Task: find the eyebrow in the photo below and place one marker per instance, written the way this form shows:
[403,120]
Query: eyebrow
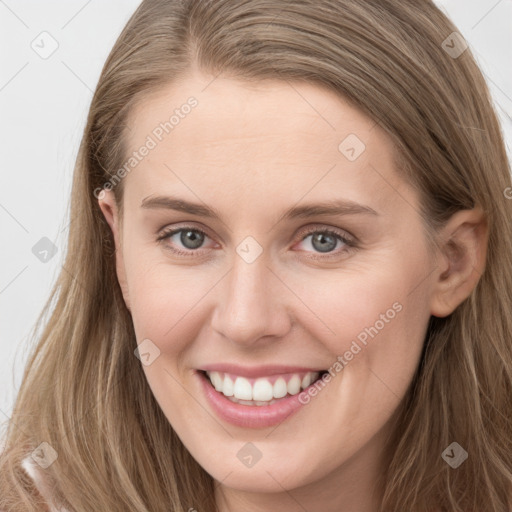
[333,207]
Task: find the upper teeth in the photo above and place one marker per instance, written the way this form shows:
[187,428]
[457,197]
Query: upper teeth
[261,389]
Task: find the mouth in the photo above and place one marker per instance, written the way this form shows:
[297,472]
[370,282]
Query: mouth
[261,391]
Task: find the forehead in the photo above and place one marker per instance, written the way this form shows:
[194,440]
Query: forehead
[252,139]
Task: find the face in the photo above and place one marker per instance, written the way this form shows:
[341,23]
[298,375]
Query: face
[267,237]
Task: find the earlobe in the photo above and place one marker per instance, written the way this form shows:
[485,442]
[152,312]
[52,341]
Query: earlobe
[461,260]
[108,206]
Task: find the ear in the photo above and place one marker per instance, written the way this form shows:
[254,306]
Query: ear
[461,260]
[108,206]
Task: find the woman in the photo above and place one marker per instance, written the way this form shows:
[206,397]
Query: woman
[288,277]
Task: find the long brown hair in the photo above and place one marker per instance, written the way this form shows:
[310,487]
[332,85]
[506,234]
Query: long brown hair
[84,392]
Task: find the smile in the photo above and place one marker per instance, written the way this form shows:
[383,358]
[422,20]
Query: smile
[263,390]
[256,402]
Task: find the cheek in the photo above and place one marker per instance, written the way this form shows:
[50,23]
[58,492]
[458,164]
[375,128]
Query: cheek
[166,300]
[374,318]
[344,305]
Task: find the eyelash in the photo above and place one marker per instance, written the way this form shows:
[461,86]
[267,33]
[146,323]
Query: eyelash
[350,243]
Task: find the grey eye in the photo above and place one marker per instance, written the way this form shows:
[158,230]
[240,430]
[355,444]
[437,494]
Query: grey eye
[324,242]
[191,239]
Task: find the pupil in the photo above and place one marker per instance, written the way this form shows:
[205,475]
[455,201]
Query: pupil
[195,238]
[320,238]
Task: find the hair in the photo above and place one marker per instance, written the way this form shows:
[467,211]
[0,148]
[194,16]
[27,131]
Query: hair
[83,390]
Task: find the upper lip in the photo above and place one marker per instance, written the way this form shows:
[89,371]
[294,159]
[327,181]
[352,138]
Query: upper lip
[257,371]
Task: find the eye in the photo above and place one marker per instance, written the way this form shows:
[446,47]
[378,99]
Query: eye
[191,238]
[325,241]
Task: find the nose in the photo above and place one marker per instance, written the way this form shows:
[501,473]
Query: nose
[252,304]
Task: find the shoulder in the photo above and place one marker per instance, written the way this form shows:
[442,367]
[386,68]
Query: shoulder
[36,473]
[41,482]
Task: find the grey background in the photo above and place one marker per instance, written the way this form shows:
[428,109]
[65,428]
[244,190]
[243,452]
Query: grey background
[43,106]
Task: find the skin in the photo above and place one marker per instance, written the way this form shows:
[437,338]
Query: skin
[252,151]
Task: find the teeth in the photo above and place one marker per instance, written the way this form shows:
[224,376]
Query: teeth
[242,389]
[280,388]
[227,386]
[216,381]
[306,381]
[249,402]
[261,392]
[294,385]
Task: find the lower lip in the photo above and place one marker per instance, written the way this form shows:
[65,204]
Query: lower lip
[249,416]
